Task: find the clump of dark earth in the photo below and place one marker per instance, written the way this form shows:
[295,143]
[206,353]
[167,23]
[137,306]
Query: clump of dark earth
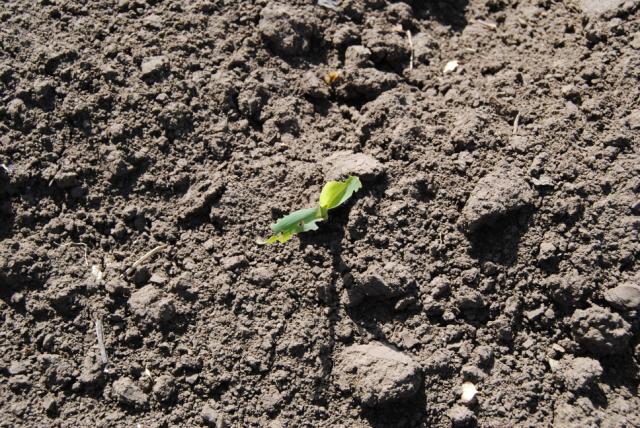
[146,145]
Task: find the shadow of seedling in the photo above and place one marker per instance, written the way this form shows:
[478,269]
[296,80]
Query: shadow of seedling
[331,235]
[332,232]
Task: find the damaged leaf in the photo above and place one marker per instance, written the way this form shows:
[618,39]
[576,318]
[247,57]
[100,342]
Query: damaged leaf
[333,194]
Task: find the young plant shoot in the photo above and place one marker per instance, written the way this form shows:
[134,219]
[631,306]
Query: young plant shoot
[333,194]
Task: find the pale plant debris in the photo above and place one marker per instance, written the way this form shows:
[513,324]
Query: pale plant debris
[516,123]
[331,77]
[450,66]
[411,49]
[97,274]
[146,256]
[100,337]
[490,25]
[329,4]
[469,392]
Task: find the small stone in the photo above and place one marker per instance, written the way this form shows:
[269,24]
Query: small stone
[469,300]
[600,331]
[501,192]
[287,30]
[342,164]
[379,282]
[50,404]
[18,367]
[212,418]
[152,305]
[154,67]
[15,108]
[546,252]
[625,297]
[233,263]
[128,393]
[164,388]
[66,179]
[483,354]
[600,7]
[570,92]
[580,373]
[450,66]
[461,417]
[376,374]
[357,56]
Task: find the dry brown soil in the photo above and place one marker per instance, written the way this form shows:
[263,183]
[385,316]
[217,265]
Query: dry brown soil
[495,240]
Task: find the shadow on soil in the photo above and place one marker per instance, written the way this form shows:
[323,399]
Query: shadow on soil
[498,242]
[450,13]
[368,318]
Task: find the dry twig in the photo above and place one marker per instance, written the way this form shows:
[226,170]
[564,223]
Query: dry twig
[411,48]
[100,336]
[515,124]
[145,257]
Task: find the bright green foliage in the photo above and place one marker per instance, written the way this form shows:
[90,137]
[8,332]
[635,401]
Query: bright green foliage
[333,194]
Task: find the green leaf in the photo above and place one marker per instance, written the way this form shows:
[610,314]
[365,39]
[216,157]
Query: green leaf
[335,193]
[298,221]
[279,237]
[297,218]
[310,226]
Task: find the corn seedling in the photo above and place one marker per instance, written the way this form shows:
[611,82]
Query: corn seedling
[333,194]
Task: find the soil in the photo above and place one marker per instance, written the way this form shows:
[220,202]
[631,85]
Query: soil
[494,243]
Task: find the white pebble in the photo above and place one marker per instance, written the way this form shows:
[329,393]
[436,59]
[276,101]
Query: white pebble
[450,66]
[469,392]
